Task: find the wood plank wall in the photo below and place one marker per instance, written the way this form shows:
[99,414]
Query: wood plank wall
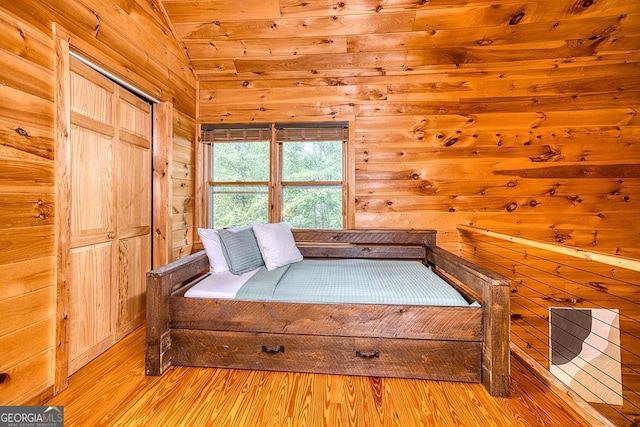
[27,211]
[183,186]
[542,279]
[533,133]
[130,39]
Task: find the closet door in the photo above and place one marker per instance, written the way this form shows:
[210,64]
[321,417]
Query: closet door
[133,184]
[110,201]
[93,222]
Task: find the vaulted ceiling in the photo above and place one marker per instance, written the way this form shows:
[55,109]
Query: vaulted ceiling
[372,37]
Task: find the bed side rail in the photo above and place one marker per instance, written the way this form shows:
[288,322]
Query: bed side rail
[161,283]
[494,291]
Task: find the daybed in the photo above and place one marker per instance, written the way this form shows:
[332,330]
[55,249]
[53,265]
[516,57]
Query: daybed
[469,344]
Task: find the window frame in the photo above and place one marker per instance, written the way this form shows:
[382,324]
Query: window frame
[276,184]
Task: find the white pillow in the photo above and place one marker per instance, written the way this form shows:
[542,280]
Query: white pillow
[212,246]
[277,245]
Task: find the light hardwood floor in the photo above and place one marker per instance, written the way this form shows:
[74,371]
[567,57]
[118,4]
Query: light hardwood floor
[113,390]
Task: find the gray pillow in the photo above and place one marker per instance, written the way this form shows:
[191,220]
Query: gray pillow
[241,250]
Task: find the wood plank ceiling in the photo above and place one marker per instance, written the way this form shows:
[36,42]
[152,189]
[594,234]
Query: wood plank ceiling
[225,38]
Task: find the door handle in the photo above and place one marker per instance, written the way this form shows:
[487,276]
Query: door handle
[367,355]
[273,350]
[112,235]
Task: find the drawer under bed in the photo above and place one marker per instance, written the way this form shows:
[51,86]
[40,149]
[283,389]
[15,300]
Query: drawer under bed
[365,356]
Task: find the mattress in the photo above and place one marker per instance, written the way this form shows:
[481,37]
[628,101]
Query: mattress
[336,281]
[219,285]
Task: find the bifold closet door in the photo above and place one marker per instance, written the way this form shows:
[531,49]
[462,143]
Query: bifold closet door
[133,195]
[110,205]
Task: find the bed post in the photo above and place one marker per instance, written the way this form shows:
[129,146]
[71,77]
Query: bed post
[496,346]
[494,291]
[158,338]
[161,282]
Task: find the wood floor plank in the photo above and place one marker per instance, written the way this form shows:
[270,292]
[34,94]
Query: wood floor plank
[113,391]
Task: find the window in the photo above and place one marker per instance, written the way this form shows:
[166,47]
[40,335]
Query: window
[293,173]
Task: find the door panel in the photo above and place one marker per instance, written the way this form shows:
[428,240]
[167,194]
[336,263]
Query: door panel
[134,188]
[134,116]
[91,94]
[134,261]
[92,196]
[90,303]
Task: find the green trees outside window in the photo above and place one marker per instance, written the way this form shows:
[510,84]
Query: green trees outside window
[296,176]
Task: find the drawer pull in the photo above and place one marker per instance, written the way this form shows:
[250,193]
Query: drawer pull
[366,355]
[274,350]
[4,377]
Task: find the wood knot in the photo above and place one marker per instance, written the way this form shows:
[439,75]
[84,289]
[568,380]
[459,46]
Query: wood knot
[574,199]
[449,142]
[4,377]
[515,19]
[511,206]
[598,286]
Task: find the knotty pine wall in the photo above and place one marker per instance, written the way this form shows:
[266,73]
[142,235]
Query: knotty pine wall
[27,211]
[546,148]
[183,186]
[131,40]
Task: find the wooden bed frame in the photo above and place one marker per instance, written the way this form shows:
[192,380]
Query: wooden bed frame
[469,344]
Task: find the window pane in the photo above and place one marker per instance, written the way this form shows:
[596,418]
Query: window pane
[240,161]
[312,207]
[312,161]
[236,205]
